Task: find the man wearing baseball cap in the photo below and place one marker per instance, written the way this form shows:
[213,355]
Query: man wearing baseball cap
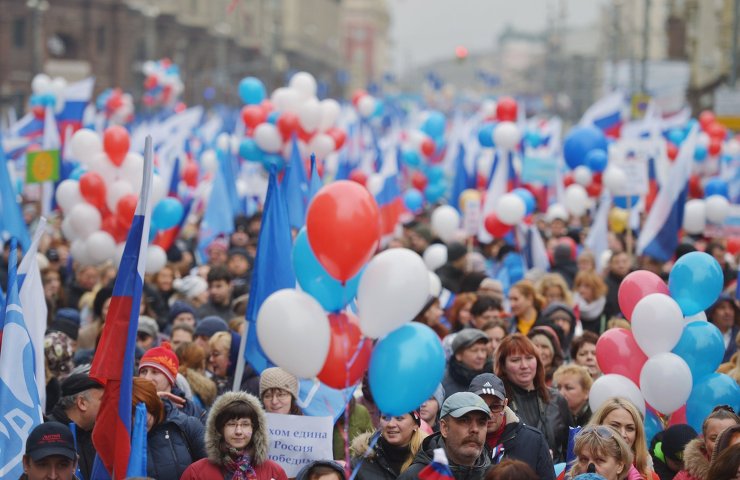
[506,435]
[462,435]
[50,453]
[469,358]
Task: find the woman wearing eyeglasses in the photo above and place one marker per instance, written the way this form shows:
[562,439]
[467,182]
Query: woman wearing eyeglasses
[698,452]
[236,442]
[600,449]
[396,443]
[223,356]
[622,416]
[279,392]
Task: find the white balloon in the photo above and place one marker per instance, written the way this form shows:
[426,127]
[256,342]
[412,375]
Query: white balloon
[291,100]
[68,231]
[657,323]
[366,106]
[159,189]
[288,321]
[717,208]
[445,222]
[68,195]
[41,83]
[732,147]
[510,209]
[79,252]
[614,179]
[304,83]
[118,255]
[699,317]
[100,247]
[665,382]
[84,145]
[278,98]
[435,285]
[330,110]
[268,138]
[115,191]
[309,114]
[392,291]
[132,170]
[435,256]
[375,183]
[576,200]
[84,219]
[556,212]
[703,139]
[695,216]
[223,140]
[287,150]
[506,135]
[582,175]
[322,145]
[612,385]
[156,259]
[209,161]
[101,164]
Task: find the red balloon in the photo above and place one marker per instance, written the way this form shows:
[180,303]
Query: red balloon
[253,115]
[190,174]
[496,227]
[636,286]
[481,182]
[343,227]
[594,190]
[695,188]
[678,417]
[116,143]
[304,135]
[38,112]
[339,136]
[288,124]
[706,118]
[506,110]
[672,151]
[359,93]
[427,147]
[346,340]
[733,245]
[716,130]
[125,209]
[618,352]
[113,226]
[419,180]
[568,180]
[358,176]
[150,82]
[267,106]
[715,146]
[92,188]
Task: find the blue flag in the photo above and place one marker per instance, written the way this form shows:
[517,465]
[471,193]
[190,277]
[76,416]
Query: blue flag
[460,183]
[175,178]
[217,220]
[137,461]
[20,409]
[12,218]
[295,188]
[229,173]
[273,269]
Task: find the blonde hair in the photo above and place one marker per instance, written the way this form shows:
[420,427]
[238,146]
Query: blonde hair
[579,371]
[554,280]
[639,448]
[606,443]
[220,339]
[526,288]
[414,446]
[593,280]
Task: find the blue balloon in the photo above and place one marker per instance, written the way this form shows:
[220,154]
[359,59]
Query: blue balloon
[716,186]
[77,173]
[715,389]
[315,281]
[379,108]
[434,125]
[411,158]
[273,160]
[414,354]
[695,282]
[435,174]
[596,160]
[676,136]
[532,138]
[252,90]
[272,117]
[485,134]
[702,347]
[249,150]
[579,142]
[528,198]
[700,153]
[413,199]
[622,202]
[435,191]
[652,426]
[167,213]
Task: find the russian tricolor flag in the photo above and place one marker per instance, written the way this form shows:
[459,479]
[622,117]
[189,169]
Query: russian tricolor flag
[113,364]
[439,469]
[606,114]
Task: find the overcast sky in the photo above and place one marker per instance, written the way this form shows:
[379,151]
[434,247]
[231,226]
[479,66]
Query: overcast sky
[426,30]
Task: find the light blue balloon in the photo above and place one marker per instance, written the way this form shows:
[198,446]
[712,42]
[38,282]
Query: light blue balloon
[527,198]
[622,202]
[435,174]
[167,213]
[716,186]
[579,142]
[252,90]
[405,368]
[411,158]
[700,153]
[695,282]
[714,389]
[413,199]
[434,125]
[597,160]
[702,347]
[77,173]
[652,426]
[273,160]
[273,117]
[676,136]
[435,191]
[249,150]
[559,468]
[532,138]
[485,134]
[315,281]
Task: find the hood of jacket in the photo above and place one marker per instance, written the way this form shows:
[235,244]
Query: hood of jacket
[434,441]
[201,386]
[360,444]
[259,434]
[695,458]
[463,374]
[303,473]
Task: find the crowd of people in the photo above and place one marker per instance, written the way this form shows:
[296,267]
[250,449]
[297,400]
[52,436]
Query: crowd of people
[521,359]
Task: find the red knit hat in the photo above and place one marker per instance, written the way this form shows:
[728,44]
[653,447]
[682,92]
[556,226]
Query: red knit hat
[163,359]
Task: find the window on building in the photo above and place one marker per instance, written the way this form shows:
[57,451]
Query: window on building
[19,33]
[100,39]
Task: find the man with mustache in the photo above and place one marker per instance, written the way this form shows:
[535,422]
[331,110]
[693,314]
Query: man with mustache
[462,435]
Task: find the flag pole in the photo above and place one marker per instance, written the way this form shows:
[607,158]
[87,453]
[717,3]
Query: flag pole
[239,373]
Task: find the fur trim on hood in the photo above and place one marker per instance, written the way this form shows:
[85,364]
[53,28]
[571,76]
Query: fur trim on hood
[259,435]
[360,444]
[695,459]
[201,386]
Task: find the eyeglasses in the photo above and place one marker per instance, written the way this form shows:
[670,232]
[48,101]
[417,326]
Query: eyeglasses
[247,425]
[723,407]
[600,430]
[277,394]
[215,354]
[496,407]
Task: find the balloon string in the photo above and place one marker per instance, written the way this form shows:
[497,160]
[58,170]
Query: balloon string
[373,440]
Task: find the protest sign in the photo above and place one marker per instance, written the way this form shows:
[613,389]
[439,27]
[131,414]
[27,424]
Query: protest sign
[296,441]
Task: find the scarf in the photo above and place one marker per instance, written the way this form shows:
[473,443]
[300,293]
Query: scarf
[493,438]
[239,464]
[590,311]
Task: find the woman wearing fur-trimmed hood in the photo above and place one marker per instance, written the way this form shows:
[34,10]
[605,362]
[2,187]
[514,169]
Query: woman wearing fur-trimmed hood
[236,442]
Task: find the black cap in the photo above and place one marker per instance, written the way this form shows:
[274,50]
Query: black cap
[78,382]
[467,337]
[488,384]
[63,325]
[455,251]
[51,438]
[675,439]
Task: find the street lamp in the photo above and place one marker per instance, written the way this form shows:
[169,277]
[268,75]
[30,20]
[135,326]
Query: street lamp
[38,7]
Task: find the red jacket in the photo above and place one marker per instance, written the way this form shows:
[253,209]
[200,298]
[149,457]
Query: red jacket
[203,469]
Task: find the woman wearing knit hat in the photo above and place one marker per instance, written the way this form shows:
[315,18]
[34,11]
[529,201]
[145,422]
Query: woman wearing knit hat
[388,452]
[160,365]
[279,392]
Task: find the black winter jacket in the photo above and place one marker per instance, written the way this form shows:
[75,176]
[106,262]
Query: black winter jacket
[426,454]
[457,376]
[174,444]
[527,444]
